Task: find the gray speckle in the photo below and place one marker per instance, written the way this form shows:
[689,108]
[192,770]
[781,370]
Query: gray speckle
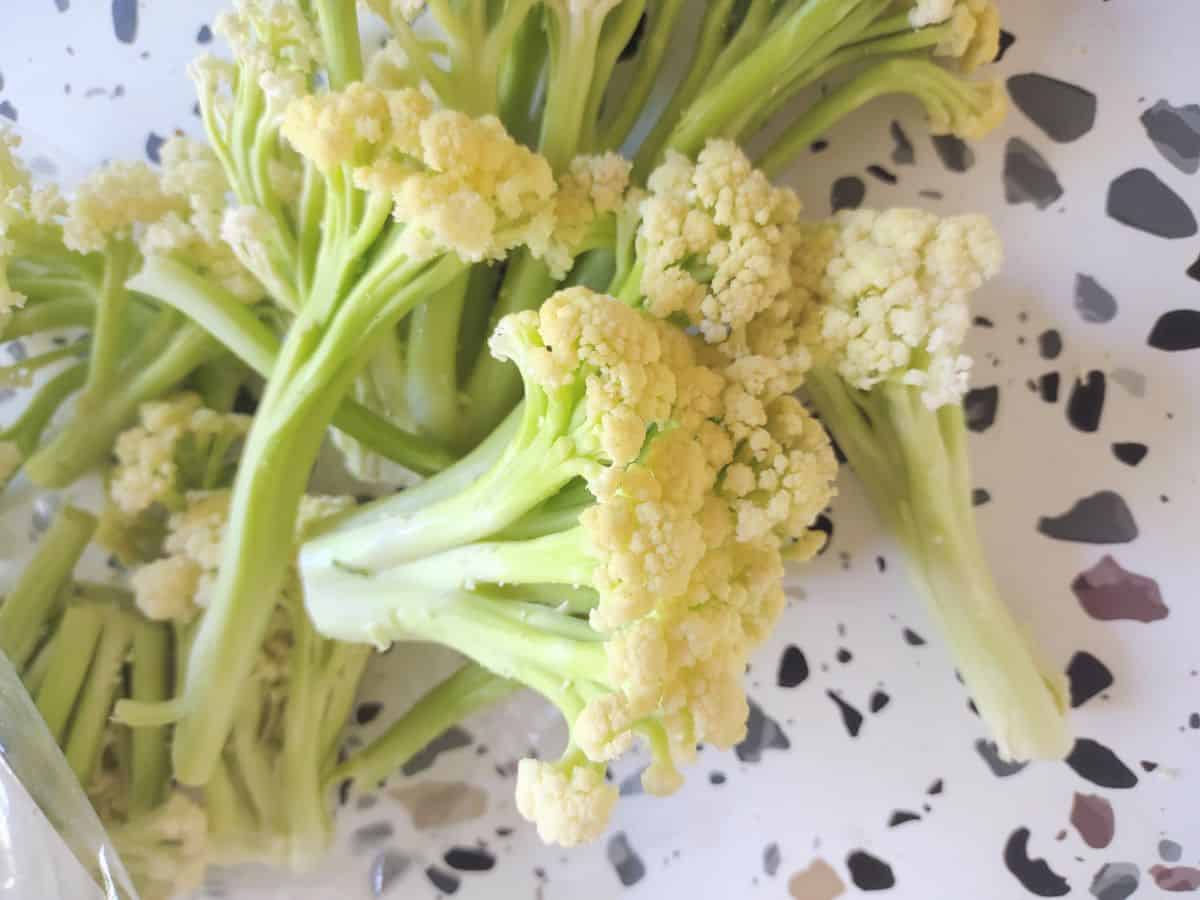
[1092,301]
[43,165]
[154,144]
[629,866]
[1134,382]
[389,867]
[204,35]
[903,153]
[8,110]
[62,5]
[1141,200]
[771,859]
[953,152]
[125,20]
[1065,111]
[1028,178]
[1101,518]
[1169,851]
[1115,881]
[367,836]
[980,406]
[1001,768]
[762,733]
[44,508]
[1175,131]
[847,193]
[631,785]
[17,351]
[450,739]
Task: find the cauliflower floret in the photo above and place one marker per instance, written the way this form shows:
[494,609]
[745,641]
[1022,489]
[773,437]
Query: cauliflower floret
[166,850]
[931,12]
[591,188]
[895,291]
[275,43]
[111,201]
[568,807]
[974,34]
[165,590]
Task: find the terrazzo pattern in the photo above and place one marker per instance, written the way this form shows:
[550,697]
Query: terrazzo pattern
[863,769]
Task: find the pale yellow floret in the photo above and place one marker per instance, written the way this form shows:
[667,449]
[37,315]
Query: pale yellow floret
[165,589]
[896,288]
[275,44]
[974,38]
[591,188]
[111,201]
[568,807]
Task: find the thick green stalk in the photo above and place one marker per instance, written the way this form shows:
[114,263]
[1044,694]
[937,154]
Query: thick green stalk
[432,360]
[315,368]
[86,737]
[520,79]
[476,317]
[494,386]
[47,315]
[468,690]
[74,646]
[247,337]
[36,595]
[615,35]
[722,108]
[90,435]
[338,21]
[912,461]
[150,769]
[109,325]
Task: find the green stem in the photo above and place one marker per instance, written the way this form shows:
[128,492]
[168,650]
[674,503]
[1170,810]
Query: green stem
[520,79]
[338,20]
[36,594]
[74,646]
[47,315]
[90,435]
[109,326]
[432,382]
[150,683]
[494,386]
[86,737]
[759,76]
[26,432]
[477,311]
[660,28]
[468,690]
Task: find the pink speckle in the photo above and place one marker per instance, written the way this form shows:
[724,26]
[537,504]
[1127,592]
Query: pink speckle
[1176,879]
[1107,591]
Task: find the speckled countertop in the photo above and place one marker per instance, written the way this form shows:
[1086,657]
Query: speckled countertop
[864,769]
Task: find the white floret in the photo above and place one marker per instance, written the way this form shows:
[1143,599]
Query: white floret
[569,808]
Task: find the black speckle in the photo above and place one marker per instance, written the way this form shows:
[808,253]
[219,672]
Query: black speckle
[1092,760]
[1007,39]
[983,322]
[1001,767]
[903,153]
[869,873]
[1194,720]
[1101,518]
[443,880]
[8,110]
[1048,386]
[1088,677]
[154,144]
[879,700]
[1176,330]
[936,788]
[980,496]
[1130,452]
[1141,200]
[469,859]
[344,791]
[771,859]
[635,40]
[902,817]
[367,712]
[1175,131]
[1193,271]
[912,638]
[1066,112]
[125,20]
[1086,404]
[843,655]
[953,152]
[1028,178]
[450,739]
[1050,344]
[847,193]
[1148,765]
[625,860]
[762,733]
[717,778]
[793,667]
[819,146]
[1034,874]
[204,35]
[929,194]
[979,406]
[388,868]
[882,174]
[881,564]
[851,717]
[1093,302]
[825,524]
